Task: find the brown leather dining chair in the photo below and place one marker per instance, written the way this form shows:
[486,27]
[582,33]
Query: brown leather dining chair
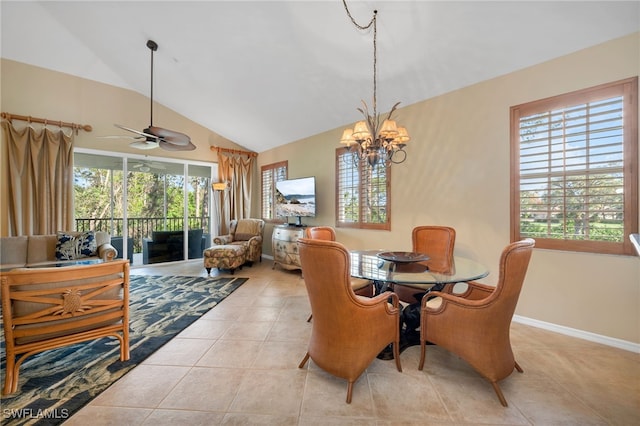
[360,286]
[348,331]
[325,233]
[475,324]
[435,241]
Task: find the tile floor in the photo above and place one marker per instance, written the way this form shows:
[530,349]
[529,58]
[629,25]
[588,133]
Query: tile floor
[237,365]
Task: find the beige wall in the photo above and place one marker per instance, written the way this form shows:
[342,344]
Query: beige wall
[457,174]
[37,92]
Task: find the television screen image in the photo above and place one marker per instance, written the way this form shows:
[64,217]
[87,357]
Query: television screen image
[296,197]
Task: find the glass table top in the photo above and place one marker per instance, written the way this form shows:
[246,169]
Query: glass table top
[366,264]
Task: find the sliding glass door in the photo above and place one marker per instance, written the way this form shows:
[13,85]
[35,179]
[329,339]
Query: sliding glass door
[156,210]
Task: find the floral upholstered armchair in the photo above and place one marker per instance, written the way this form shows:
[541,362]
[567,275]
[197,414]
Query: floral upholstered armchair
[247,232]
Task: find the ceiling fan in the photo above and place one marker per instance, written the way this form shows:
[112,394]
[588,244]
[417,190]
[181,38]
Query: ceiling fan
[146,166]
[153,136]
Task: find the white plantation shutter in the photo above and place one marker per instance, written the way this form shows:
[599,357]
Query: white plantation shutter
[362,193]
[271,173]
[574,169]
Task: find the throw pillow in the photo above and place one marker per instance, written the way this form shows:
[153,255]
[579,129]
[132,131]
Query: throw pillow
[71,247]
[243,237]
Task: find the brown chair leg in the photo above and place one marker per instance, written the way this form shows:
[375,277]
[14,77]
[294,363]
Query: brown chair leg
[15,371]
[124,348]
[8,378]
[396,355]
[499,393]
[423,348]
[520,370]
[304,360]
[349,392]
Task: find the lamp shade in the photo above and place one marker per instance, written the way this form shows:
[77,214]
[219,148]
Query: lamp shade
[219,186]
[402,136]
[347,137]
[389,129]
[361,131]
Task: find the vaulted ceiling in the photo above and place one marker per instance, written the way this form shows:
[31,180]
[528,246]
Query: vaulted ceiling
[266,73]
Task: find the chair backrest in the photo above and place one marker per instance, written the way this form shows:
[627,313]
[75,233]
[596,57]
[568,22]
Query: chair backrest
[514,262]
[438,243]
[325,233]
[43,303]
[326,266]
[245,229]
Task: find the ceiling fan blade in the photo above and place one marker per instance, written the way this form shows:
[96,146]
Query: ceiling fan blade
[145,144]
[167,146]
[170,136]
[156,165]
[146,135]
[121,137]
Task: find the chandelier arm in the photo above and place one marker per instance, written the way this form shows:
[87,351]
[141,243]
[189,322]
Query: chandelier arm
[394,152]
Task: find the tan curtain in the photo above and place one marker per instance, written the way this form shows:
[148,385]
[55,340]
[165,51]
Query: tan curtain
[237,170]
[39,178]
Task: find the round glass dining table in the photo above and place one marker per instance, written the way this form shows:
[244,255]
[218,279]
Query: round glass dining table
[366,264]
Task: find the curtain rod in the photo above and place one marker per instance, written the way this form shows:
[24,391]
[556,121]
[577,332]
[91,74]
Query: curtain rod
[76,127]
[234,151]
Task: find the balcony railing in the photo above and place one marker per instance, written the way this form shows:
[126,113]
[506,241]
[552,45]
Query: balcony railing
[140,227]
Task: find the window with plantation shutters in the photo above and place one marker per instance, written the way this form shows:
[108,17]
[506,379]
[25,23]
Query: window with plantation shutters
[574,169]
[362,193]
[271,173]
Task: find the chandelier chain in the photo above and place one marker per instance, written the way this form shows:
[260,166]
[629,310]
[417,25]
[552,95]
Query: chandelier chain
[373,23]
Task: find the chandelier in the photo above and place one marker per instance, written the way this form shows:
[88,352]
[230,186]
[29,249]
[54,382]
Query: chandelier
[370,139]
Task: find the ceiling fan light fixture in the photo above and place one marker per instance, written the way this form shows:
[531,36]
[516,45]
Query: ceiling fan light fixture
[144,144]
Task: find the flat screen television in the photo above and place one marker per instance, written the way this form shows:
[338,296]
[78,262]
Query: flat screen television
[296,198]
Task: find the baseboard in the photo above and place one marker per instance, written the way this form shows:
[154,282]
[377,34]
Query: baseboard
[585,335]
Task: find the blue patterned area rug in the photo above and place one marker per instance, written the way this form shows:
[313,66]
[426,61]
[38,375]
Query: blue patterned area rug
[55,384]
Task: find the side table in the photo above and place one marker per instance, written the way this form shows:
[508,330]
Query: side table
[284,241]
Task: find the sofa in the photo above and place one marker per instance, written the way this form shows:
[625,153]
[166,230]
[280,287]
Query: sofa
[44,250]
[168,246]
[247,232]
